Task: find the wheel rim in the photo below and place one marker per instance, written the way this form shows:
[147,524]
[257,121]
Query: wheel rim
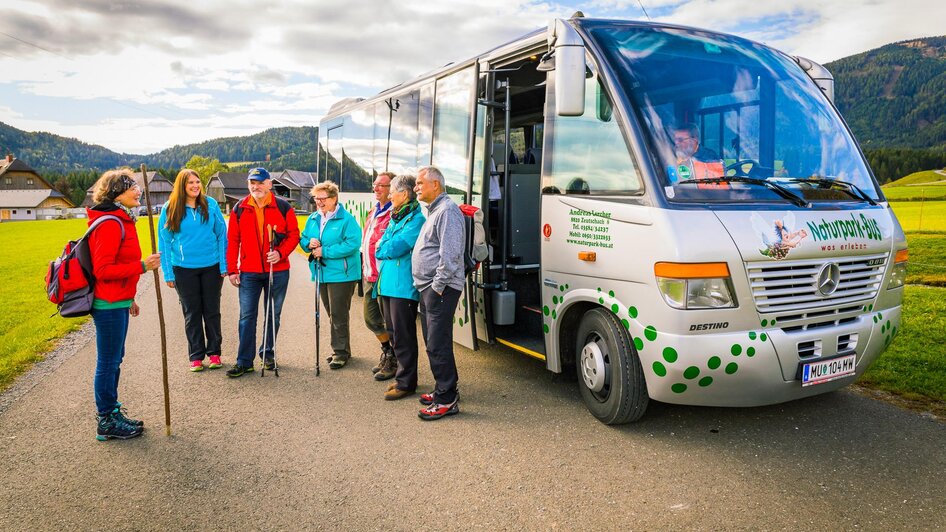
[595,367]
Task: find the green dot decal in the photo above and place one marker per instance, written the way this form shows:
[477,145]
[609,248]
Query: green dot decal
[894,331]
[691,372]
[731,368]
[650,332]
[670,354]
[554,315]
[626,324]
[762,337]
[545,327]
[706,381]
[561,287]
[601,301]
[750,352]
[566,287]
[632,312]
[773,323]
[713,362]
[545,310]
[752,335]
[736,350]
[659,369]
[638,343]
[615,308]
[599,289]
[679,387]
[875,319]
[765,322]
[555,300]
[870,307]
[611,293]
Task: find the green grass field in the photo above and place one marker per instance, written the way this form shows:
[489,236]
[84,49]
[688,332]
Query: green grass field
[920,216]
[916,193]
[26,328]
[926,176]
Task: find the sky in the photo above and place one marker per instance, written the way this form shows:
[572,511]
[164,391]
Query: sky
[139,76]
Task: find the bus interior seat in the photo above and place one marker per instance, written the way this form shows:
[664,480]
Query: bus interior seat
[533,156]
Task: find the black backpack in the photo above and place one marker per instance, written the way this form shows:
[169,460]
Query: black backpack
[69,279]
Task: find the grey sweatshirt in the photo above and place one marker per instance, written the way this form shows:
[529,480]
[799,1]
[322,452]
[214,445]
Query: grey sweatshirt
[437,259]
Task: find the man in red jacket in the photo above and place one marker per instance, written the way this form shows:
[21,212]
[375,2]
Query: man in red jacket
[249,262]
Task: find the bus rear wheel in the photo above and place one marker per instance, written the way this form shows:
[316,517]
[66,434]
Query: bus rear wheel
[610,376]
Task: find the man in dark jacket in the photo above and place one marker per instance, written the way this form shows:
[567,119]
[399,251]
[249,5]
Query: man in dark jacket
[249,263]
[437,267]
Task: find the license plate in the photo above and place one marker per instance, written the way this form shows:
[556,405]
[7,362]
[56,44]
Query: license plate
[827,370]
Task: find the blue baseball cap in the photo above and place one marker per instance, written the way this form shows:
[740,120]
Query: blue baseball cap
[258,174]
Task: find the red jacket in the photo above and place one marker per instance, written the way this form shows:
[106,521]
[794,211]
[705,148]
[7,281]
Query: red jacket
[244,241]
[370,235]
[116,263]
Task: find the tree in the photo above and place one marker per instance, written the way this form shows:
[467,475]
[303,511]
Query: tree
[205,167]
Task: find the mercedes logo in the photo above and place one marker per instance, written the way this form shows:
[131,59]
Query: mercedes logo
[828,278]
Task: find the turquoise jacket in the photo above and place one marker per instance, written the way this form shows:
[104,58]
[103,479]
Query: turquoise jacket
[341,245]
[199,243]
[394,256]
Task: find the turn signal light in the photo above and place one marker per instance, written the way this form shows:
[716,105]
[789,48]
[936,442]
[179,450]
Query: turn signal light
[699,285]
[587,256]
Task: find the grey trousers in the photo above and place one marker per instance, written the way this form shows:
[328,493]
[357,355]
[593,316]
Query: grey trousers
[374,316]
[336,298]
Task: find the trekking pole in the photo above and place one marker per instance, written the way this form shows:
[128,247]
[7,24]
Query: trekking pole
[266,303]
[157,291]
[318,274]
[272,305]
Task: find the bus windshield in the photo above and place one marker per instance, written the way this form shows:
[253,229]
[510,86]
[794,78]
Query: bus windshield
[731,120]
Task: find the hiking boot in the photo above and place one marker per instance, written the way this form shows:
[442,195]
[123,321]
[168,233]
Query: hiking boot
[384,356]
[238,370]
[337,362]
[197,365]
[215,362]
[388,369]
[396,393]
[120,410]
[426,399]
[114,426]
[437,411]
[392,386]
[269,364]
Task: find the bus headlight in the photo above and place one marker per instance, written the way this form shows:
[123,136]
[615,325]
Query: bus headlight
[692,286]
[898,273]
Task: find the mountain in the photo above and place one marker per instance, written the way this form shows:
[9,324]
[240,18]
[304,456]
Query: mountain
[287,147]
[895,95]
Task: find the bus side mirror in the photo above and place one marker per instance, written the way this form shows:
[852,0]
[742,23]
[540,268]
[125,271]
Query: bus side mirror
[569,52]
[819,74]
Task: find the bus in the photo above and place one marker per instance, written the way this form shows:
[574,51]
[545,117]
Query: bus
[673,214]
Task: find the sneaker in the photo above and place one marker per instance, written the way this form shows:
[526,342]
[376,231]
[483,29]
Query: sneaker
[215,362]
[396,393]
[337,362]
[427,399]
[388,369]
[269,364]
[437,411]
[120,412]
[238,370]
[197,365]
[392,386]
[114,426]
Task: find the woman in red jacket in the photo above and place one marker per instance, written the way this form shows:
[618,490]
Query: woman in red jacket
[116,266]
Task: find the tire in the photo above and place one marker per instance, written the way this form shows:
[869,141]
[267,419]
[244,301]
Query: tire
[609,371]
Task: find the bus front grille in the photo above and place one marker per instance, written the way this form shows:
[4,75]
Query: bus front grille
[791,287]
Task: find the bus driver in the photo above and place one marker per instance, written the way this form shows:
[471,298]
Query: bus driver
[692,160]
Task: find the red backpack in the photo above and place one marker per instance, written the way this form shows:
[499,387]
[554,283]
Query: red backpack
[69,280]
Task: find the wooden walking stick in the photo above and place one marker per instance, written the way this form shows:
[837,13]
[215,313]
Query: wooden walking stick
[157,291]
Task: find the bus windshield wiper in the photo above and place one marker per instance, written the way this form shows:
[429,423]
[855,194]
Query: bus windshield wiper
[778,189]
[850,188]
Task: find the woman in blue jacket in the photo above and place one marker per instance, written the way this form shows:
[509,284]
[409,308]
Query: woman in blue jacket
[192,238]
[333,238]
[396,283]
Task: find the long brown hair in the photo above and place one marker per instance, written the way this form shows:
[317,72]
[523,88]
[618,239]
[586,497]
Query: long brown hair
[177,204]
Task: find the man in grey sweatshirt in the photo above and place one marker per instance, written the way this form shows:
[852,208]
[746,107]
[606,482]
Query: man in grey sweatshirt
[437,268]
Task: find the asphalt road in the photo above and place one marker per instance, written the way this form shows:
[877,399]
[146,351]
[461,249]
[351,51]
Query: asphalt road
[300,452]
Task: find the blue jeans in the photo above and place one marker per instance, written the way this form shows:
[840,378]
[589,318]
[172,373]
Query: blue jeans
[111,328]
[251,286]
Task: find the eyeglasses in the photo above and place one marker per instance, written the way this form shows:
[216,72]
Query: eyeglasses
[682,139]
[323,198]
[379,185]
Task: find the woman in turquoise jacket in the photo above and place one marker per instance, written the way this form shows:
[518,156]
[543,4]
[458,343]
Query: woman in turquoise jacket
[333,238]
[396,283]
[192,239]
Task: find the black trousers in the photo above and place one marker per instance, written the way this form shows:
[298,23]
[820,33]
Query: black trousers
[199,292]
[437,324]
[400,318]
[336,298]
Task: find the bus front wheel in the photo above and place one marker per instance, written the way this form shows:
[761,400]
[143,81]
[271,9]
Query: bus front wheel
[609,371]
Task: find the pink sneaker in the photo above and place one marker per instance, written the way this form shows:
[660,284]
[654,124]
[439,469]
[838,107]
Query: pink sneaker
[197,365]
[215,362]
